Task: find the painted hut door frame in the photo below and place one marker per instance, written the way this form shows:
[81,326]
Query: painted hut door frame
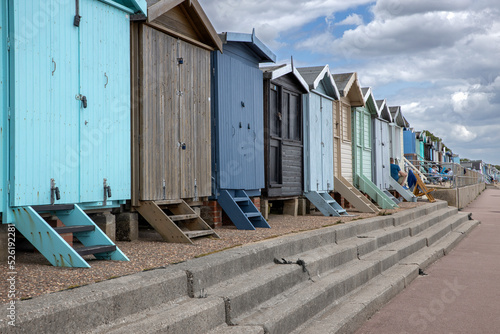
[44,122]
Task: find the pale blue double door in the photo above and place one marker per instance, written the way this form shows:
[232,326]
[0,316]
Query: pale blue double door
[70,102]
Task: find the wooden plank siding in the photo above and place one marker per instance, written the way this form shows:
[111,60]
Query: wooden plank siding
[283,137]
[346,140]
[172,108]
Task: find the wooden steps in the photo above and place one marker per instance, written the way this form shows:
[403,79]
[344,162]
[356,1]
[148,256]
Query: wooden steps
[175,220]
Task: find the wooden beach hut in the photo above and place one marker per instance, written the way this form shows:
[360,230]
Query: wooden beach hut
[351,96]
[238,127]
[362,129]
[318,139]
[171,144]
[283,137]
[381,149]
[66,147]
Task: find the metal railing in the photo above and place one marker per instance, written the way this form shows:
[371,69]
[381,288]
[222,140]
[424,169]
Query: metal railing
[447,174]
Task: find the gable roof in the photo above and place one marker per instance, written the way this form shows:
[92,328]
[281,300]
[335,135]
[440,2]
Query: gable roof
[274,72]
[349,87]
[369,100]
[252,42]
[397,116]
[313,76]
[187,12]
[384,112]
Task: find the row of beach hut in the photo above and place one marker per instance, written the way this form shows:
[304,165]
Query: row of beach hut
[138,106]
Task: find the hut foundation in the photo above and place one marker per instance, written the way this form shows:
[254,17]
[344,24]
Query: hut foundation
[106,222]
[127,226]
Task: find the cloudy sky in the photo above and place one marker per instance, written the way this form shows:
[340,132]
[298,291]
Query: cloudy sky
[438,59]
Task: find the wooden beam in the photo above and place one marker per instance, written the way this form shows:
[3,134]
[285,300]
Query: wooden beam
[183,37]
[161,7]
[213,34]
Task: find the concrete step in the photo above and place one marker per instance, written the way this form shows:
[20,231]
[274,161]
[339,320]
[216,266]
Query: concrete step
[225,329]
[80,309]
[349,313]
[284,312]
[250,289]
[183,315]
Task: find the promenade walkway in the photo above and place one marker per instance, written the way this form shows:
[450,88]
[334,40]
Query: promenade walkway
[461,291]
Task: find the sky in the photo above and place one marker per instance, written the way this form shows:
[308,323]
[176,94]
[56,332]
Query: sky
[437,59]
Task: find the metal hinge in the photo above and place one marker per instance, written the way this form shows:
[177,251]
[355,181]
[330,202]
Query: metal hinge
[8,43]
[8,113]
[8,187]
[213,71]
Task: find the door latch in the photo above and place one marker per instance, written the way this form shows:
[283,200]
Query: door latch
[107,192]
[82,98]
[55,194]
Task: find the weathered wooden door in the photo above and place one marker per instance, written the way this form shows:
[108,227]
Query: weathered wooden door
[194,121]
[292,148]
[174,119]
[44,121]
[105,83]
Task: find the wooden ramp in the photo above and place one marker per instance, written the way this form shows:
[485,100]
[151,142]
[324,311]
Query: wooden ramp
[175,220]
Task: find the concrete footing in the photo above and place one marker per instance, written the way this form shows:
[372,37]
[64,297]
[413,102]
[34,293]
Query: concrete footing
[4,242]
[127,226]
[106,222]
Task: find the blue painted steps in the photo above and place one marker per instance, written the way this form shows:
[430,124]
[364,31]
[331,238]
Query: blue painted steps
[241,210]
[326,204]
[49,243]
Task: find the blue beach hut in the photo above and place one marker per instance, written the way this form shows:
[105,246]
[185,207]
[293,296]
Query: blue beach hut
[65,120]
[318,139]
[238,127]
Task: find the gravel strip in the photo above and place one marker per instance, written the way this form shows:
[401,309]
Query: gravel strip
[36,276]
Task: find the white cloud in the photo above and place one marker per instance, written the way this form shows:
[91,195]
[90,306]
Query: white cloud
[437,59]
[353,19]
[462,133]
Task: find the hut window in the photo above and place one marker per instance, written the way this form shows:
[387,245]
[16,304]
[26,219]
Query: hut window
[276,116]
[346,122]
[291,111]
[294,118]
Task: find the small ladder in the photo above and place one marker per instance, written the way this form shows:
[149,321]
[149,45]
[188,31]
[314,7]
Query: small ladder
[368,187]
[354,196]
[241,210]
[326,204]
[394,199]
[407,195]
[48,241]
[175,220]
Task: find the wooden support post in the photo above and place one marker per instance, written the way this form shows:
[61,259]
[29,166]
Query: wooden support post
[264,208]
